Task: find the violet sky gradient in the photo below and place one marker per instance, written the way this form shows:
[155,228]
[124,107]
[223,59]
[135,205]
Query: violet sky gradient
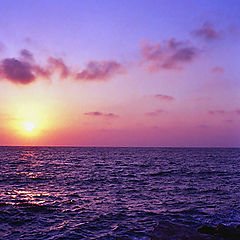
[120,73]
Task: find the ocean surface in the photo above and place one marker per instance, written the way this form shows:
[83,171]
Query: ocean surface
[103,193]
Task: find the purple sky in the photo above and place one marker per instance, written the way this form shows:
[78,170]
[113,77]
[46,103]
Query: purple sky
[120,73]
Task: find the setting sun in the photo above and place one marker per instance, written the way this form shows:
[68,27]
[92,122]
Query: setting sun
[31,120]
[29,126]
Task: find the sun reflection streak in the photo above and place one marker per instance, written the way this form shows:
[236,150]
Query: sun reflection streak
[19,197]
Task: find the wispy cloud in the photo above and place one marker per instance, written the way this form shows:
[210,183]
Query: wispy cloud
[216,112]
[59,65]
[171,54]
[100,70]
[155,113]
[223,112]
[100,114]
[162,97]
[218,69]
[207,32]
[26,55]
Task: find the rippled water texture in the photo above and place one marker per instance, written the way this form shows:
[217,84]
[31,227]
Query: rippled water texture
[102,193]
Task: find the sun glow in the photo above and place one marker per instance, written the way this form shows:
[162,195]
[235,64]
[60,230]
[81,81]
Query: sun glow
[29,126]
[30,120]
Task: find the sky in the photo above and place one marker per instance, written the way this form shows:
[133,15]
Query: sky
[120,73]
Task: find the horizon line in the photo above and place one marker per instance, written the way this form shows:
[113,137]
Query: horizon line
[87,146]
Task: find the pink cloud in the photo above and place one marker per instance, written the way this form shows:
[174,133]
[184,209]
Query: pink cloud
[25,71]
[41,72]
[155,113]
[170,54]
[214,112]
[100,114]
[207,32]
[100,70]
[58,64]
[164,97]
[218,69]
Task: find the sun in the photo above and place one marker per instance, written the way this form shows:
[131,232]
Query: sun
[30,120]
[29,126]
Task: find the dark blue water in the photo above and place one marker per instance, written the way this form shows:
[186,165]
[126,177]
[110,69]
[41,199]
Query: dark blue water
[102,193]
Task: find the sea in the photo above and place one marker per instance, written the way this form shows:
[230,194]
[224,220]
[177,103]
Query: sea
[111,193]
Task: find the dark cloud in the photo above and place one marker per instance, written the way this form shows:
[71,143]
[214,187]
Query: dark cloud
[97,114]
[58,64]
[26,55]
[17,71]
[24,70]
[102,70]
[171,54]
[164,97]
[185,54]
[21,71]
[155,113]
[207,32]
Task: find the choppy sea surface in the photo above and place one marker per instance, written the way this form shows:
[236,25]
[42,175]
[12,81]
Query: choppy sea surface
[103,193]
